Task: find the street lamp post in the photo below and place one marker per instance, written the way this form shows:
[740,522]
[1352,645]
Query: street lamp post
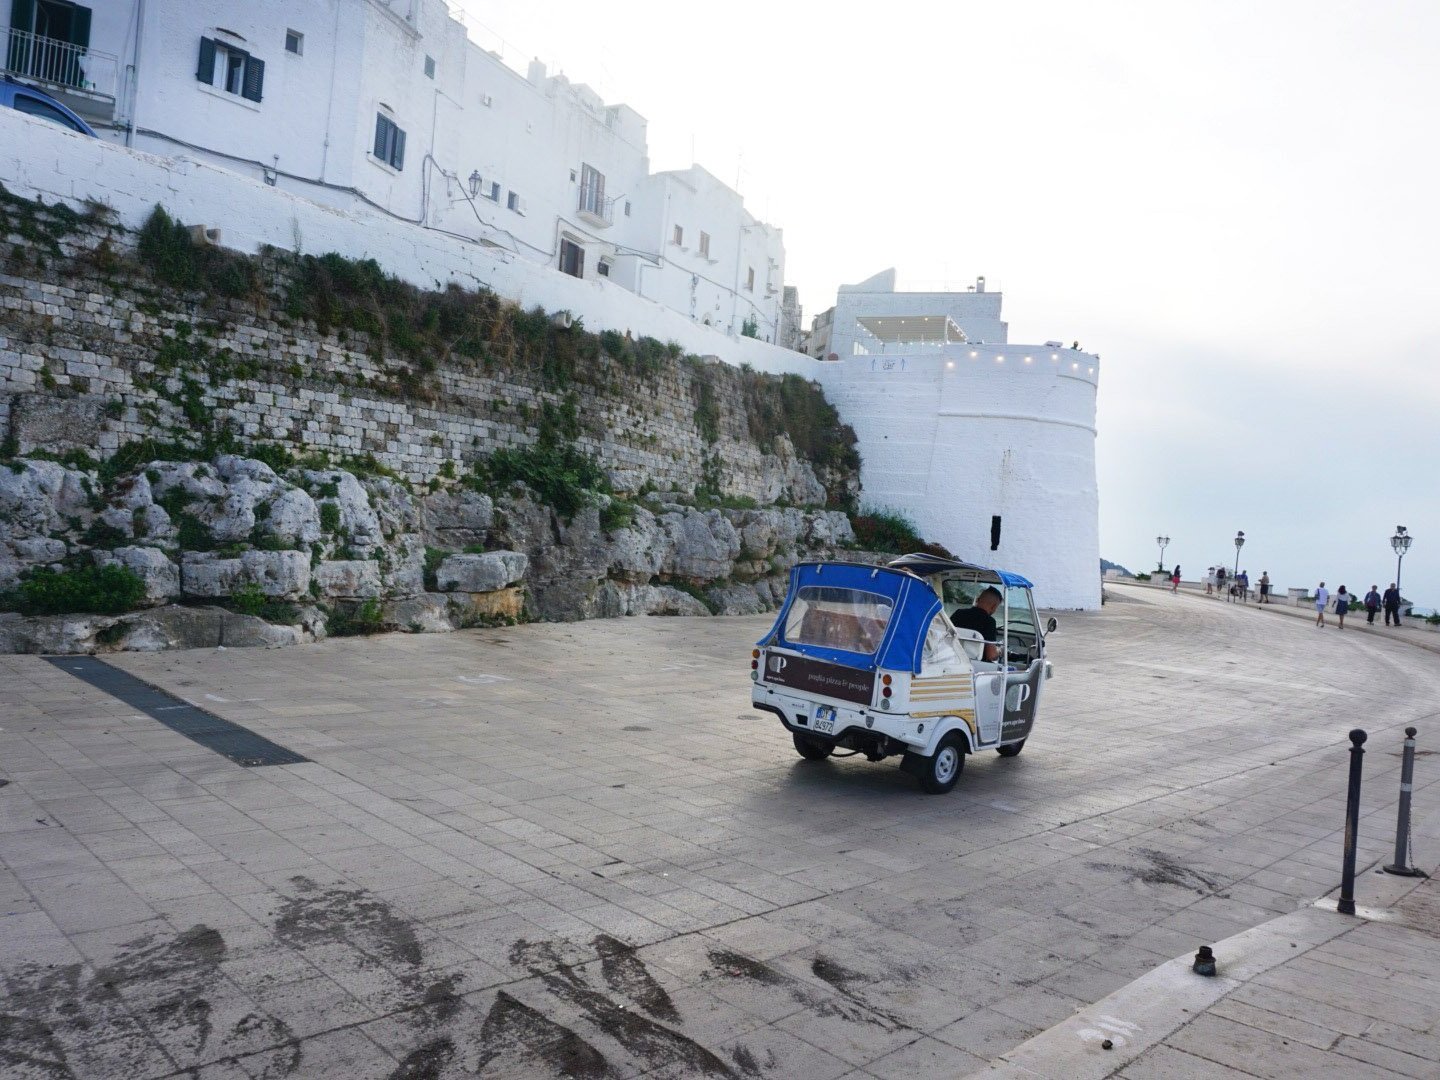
[1239,543]
[1401,543]
[1164,542]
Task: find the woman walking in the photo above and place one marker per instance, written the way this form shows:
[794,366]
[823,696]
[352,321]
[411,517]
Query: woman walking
[1342,605]
[1175,578]
[1372,604]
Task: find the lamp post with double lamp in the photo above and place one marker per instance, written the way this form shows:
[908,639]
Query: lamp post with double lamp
[1401,543]
[1239,543]
[1164,542]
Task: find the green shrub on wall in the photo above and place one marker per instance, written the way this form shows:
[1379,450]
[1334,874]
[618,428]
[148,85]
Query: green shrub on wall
[108,590]
[891,531]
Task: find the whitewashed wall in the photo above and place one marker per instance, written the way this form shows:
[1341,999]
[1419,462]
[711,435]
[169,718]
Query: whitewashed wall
[41,159]
[952,439]
[313,132]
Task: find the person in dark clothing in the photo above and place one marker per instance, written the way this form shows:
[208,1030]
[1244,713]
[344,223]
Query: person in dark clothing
[1391,601]
[981,619]
[1372,604]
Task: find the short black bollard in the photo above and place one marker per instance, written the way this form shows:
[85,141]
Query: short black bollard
[1346,906]
[1401,865]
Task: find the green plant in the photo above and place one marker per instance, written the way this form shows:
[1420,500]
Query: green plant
[560,475]
[165,246]
[433,558]
[891,531]
[750,328]
[107,590]
[250,599]
[617,514]
[192,533]
[330,517]
[364,618]
[698,593]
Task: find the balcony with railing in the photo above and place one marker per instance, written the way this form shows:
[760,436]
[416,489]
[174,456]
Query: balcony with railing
[594,207]
[85,79]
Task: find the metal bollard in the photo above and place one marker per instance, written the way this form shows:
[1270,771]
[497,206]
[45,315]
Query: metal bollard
[1346,906]
[1401,865]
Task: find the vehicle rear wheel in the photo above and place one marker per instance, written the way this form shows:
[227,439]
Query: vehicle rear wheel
[938,774]
[1011,750]
[811,749]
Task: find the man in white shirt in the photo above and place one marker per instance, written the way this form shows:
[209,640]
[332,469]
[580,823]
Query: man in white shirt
[1322,597]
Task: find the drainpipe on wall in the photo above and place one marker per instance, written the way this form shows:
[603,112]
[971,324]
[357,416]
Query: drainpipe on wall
[135,71]
[330,105]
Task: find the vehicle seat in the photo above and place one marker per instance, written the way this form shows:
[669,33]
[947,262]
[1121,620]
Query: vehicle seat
[972,642]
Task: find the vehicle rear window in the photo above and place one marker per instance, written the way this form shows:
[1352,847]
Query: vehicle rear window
[845,619]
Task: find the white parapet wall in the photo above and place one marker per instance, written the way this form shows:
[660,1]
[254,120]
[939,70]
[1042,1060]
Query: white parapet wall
[39,159]
[957,435]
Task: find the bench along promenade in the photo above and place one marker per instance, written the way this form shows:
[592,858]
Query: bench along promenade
[574,850]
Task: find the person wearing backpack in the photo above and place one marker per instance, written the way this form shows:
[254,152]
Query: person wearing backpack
[1372,604]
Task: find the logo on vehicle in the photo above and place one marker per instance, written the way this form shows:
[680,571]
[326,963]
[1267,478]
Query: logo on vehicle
[777,664]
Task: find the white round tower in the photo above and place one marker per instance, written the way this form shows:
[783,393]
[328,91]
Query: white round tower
[989,448]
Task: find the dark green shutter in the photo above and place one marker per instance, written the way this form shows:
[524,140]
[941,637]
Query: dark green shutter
[254,79]
[398,160]
[80,27]
[380,137]
[22,20]
[206,70]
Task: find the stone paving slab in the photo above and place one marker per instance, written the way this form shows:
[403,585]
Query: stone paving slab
[1312,993]
[575,850]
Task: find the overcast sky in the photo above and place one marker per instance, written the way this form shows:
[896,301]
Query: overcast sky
[1233,203]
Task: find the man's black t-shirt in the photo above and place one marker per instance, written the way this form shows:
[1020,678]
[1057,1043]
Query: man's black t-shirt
[973,618]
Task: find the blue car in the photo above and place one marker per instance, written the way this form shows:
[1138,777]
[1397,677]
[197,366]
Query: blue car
[27,99]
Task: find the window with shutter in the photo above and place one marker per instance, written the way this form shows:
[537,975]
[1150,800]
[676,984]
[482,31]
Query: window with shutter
[389,142]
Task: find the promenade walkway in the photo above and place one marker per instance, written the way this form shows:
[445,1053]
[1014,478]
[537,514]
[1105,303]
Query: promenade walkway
[575,850]
[1310,994]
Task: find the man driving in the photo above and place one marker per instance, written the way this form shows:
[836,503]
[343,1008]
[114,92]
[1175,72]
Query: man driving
[981,619]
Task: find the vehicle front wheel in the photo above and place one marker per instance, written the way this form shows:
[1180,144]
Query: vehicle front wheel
[1010,750]
[812,749]
[938,774]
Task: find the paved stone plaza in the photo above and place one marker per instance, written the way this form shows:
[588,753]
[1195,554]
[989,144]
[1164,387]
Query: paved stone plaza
[574,850]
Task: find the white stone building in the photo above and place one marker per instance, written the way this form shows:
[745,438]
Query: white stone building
[988,445]
[388,103]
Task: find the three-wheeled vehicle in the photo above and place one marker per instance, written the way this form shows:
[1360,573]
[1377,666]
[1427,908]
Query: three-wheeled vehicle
[866,658]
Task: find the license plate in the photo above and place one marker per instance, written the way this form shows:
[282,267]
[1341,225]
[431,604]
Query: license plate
[823,720]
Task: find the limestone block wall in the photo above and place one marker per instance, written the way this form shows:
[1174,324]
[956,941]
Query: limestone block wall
[95,356]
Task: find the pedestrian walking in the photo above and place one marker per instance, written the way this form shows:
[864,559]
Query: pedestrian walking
[1391,602]
[1175,578]
[1243,581]
[1220,576]
[1342,605]
[1322,597]
[1372,604]
[1264,586]
[1210,581]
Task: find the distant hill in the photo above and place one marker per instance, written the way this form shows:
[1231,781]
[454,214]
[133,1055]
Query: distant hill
[1106,564]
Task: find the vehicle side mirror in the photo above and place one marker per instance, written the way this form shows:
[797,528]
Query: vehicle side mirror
[1050,625]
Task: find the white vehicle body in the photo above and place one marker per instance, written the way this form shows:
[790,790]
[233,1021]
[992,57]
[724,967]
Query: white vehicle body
[867,659]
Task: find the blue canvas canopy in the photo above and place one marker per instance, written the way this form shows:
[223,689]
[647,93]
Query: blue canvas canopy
[925,565]
[914,604]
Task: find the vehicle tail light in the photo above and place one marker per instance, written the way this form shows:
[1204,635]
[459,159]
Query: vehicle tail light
[885,679]
[885,692]
[754,654]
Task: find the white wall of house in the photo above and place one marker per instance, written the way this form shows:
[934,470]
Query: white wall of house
[524,138]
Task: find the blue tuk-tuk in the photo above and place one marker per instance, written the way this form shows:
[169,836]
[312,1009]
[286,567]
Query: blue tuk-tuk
[867,659]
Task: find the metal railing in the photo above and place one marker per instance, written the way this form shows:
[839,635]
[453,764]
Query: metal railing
[60,64]
[594,205]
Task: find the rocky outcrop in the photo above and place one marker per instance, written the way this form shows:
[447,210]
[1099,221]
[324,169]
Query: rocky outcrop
[232,531]
[481,573]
